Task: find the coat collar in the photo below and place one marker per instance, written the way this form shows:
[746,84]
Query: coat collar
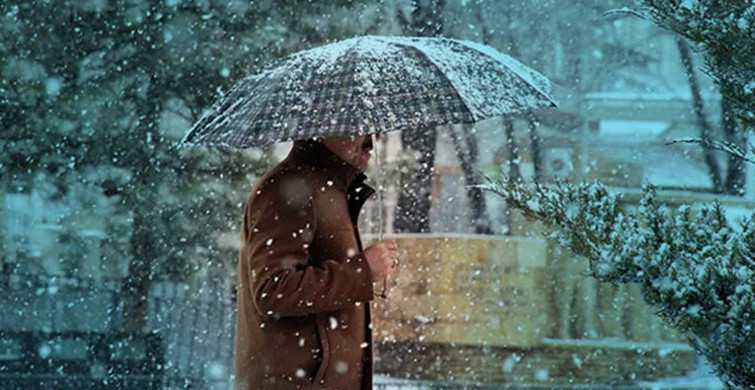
[345,176]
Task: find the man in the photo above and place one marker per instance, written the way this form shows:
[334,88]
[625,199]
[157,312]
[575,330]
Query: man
[304,281]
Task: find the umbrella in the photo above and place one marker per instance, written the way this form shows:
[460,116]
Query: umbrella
[368,85]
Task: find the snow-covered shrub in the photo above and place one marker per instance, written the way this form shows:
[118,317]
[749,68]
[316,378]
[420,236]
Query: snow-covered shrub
[692,265]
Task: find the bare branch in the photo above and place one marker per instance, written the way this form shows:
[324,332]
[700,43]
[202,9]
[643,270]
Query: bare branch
[727,147]
[626,11]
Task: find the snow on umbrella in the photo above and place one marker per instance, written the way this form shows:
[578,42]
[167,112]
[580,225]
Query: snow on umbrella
[369,85]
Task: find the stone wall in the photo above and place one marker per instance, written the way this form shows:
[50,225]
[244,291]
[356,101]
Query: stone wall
[497,309]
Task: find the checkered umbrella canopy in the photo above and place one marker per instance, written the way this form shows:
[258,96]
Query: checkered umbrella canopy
[369,85]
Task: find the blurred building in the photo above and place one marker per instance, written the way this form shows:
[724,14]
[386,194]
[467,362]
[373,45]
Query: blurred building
[509,308]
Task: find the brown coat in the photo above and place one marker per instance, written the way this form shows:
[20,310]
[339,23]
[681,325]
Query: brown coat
[304,283]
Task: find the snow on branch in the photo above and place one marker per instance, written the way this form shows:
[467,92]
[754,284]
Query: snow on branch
[625,11]
[690,264]
[727,147]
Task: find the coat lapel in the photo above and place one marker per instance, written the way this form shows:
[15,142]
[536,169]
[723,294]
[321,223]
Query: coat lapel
[344,176]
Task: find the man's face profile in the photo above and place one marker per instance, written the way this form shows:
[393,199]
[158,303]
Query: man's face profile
[356,150]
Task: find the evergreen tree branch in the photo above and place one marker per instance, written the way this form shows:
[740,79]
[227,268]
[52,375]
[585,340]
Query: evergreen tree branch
[690,264]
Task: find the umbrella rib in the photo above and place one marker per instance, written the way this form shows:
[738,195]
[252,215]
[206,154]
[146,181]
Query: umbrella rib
[442,74]
[271,78]
[406,42]
[200,128]
[472,46]
[356,42]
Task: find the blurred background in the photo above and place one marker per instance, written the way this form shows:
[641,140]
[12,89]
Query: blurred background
[119,249]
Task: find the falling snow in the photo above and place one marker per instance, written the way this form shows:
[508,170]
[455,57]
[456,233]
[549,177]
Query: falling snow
[121,246]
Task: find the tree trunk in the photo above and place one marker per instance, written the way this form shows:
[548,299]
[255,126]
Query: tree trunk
[535,145]
[515,175]
[427,19]
[467,155]
[735,170]
[135,288]
[6,267]
[413,207]
[714,169]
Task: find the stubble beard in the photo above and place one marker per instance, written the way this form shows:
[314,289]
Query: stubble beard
[361,158]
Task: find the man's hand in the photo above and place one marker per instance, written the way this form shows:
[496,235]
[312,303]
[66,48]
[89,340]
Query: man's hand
[382,258]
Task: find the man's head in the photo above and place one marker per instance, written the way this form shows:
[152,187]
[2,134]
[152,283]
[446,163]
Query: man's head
[355,150]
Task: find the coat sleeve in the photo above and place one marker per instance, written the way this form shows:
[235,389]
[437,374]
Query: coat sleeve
[281,223]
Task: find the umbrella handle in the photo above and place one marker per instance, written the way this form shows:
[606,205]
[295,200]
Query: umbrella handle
[382,293]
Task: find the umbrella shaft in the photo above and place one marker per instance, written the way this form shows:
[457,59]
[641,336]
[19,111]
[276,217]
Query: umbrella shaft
[380,199]
[379,188]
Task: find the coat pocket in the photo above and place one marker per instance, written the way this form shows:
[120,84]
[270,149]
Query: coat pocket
[325,346]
